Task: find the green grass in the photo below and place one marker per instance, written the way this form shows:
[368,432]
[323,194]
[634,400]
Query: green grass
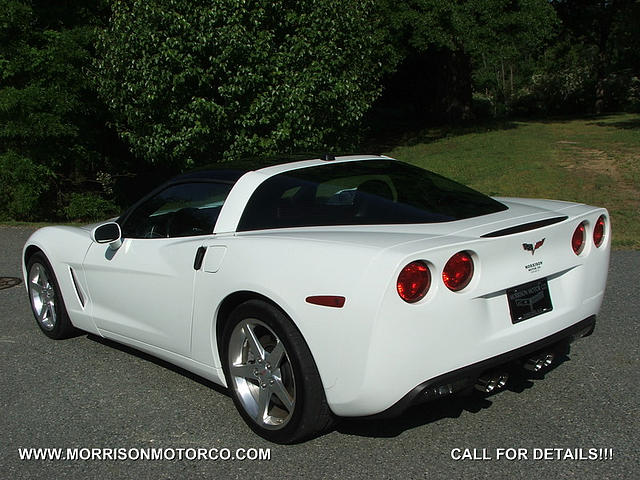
[590,160]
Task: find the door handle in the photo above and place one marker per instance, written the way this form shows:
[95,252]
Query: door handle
[197,263]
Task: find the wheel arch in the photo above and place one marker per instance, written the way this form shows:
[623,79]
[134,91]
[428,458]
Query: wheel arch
[30,251]
[231,302]
[314,391]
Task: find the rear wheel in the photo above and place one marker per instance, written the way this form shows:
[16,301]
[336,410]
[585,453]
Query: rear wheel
[46,299]
[271,374]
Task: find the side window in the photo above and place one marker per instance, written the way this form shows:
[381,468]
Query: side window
[181,210]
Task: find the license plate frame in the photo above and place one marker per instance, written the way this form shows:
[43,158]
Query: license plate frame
[529,300]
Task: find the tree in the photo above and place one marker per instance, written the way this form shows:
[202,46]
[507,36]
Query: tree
[607,32]
[51,123]
[504,39]
[481,44]
[192,82]
[430,60]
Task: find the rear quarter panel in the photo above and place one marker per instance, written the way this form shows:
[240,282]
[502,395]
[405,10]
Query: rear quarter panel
[287,271]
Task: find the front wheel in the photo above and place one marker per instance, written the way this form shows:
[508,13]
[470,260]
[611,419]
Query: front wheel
[46,299]
[271,374]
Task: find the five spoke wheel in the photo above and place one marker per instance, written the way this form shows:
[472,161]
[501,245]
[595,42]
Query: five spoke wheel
[46,298]
[261,373]
[271,374]
[43,296]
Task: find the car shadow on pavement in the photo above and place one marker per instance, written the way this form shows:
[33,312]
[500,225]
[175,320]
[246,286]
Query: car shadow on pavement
[157,361]
[453,406]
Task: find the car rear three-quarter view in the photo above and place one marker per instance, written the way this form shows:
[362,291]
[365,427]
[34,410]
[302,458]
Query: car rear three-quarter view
[346,287]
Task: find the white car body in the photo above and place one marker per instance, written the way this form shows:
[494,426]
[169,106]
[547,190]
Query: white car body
[377,348]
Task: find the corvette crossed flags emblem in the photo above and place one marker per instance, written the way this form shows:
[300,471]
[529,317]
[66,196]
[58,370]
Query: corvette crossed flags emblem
[530,247]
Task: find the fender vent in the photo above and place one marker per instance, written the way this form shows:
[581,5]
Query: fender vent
[77,287]
[524,227]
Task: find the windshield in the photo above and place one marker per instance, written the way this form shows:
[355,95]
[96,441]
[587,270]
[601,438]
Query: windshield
[361,193]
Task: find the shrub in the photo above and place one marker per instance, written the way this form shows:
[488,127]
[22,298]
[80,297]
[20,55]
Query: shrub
[633,100]
[89,207]
[23,184]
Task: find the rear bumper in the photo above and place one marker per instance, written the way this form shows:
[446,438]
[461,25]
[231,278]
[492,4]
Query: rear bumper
[465,377]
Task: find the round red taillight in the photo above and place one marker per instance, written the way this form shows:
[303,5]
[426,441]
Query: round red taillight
[458,271]
[414,281]
[598,231]
[577,241]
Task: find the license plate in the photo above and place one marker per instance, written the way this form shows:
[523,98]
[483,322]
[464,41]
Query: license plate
[529,300]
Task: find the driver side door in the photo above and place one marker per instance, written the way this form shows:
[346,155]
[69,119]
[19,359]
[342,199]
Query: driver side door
[142,293]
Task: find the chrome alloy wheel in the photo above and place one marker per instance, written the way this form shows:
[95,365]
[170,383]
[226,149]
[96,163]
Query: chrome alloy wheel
[261,374]
[43,296]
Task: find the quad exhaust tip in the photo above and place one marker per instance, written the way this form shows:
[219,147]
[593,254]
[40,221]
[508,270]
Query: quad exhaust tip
[496,380]
[492,382]
[539,362]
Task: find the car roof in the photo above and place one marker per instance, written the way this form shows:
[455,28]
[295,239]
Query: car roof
[222,174]
[254,171]
[232,171]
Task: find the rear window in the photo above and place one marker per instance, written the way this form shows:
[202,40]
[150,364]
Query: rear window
[361,193]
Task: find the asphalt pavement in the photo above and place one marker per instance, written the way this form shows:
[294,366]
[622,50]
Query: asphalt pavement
[84,393]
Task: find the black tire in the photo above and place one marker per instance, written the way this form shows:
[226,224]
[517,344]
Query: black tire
[45,298]
[296,413]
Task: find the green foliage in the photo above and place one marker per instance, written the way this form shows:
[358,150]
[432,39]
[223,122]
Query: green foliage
[504,40]
[50,117]
[526,56]
[561,82]
[187,82]
[89,207]
[606,33]
[491,44]
[199,81]
[633,98]
[23,186]
[475,26]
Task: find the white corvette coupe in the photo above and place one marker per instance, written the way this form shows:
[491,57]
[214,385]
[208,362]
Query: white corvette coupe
[349,286]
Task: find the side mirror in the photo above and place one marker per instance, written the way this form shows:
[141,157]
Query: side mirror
[108,233]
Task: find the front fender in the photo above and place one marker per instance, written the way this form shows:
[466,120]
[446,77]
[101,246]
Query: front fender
[65,248]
